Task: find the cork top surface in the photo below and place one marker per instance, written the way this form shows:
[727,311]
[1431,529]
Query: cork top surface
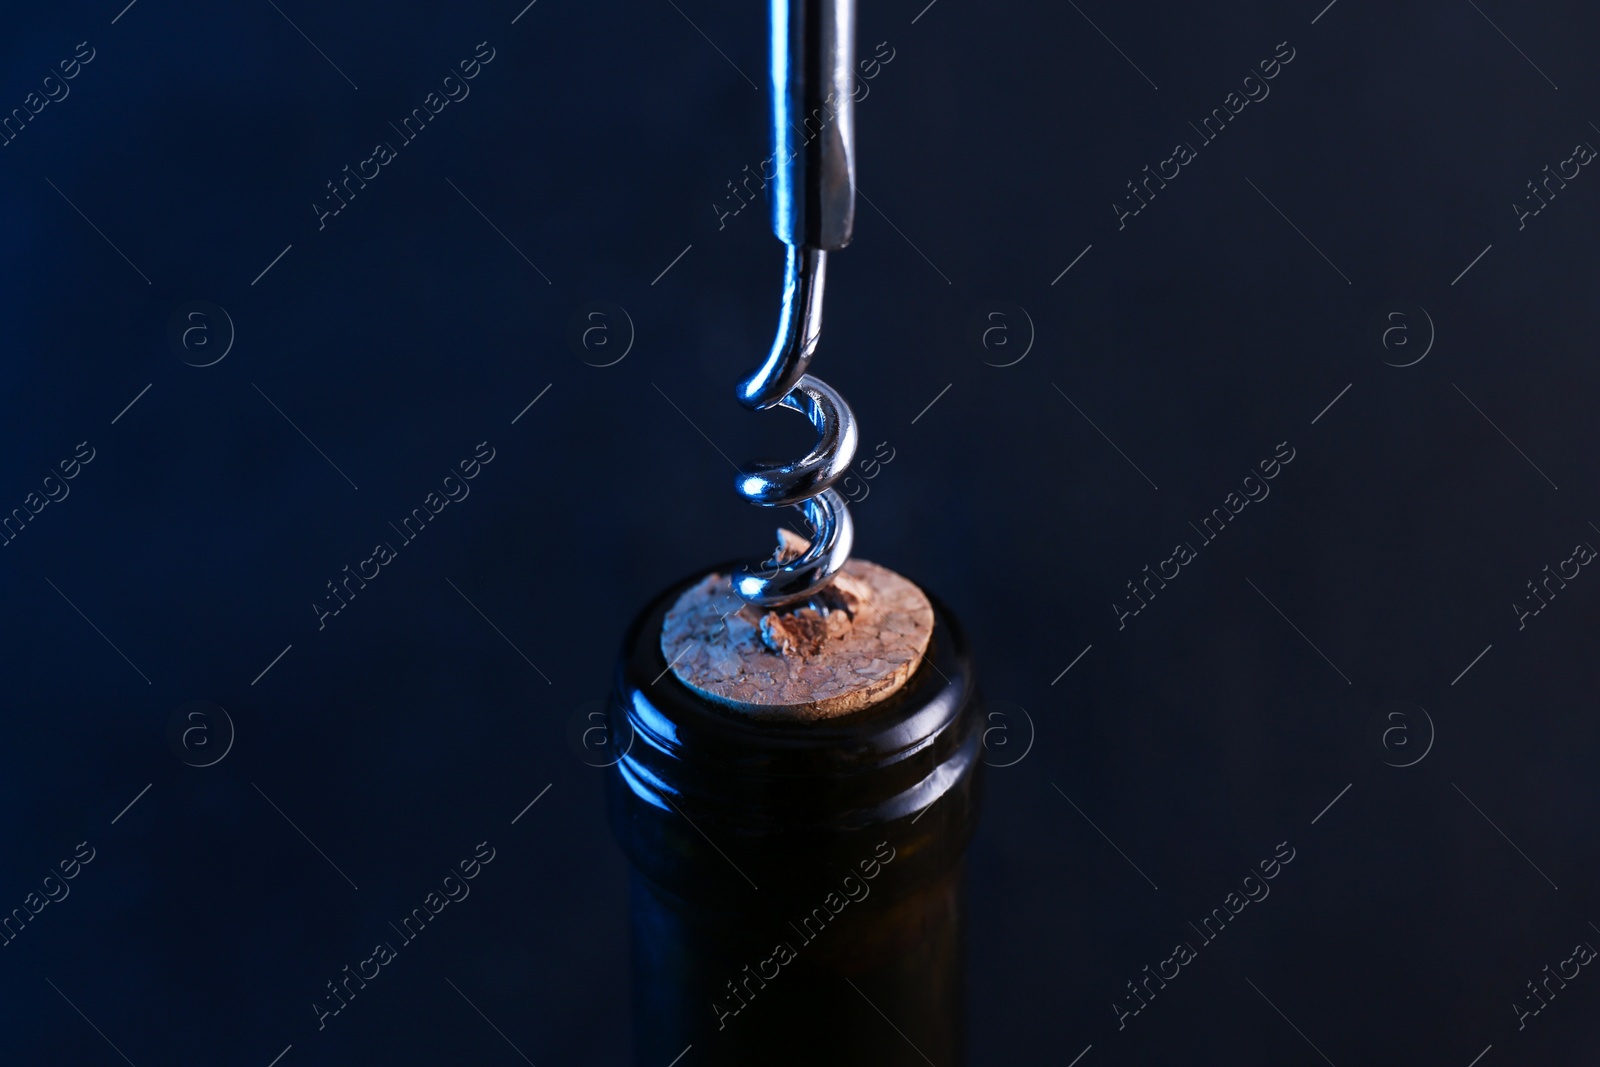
[851,646]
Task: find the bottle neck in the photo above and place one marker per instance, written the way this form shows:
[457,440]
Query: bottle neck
[725,810]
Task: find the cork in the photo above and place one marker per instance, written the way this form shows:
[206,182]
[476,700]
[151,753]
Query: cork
[855,643]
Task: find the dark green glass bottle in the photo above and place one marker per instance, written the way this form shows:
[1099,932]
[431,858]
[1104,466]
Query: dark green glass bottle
[796,895]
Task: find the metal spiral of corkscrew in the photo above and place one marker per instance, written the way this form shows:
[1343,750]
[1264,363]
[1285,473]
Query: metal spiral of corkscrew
[812,194]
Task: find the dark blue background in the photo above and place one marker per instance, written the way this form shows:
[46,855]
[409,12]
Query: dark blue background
[1197,338]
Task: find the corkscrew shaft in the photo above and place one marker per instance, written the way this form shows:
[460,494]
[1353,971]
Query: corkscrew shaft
[813,122]
[813,212]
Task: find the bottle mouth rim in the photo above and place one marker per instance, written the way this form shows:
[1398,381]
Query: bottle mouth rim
[673,713]
[892,758]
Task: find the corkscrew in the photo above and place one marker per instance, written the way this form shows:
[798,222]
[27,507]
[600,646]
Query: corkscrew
[813,212]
